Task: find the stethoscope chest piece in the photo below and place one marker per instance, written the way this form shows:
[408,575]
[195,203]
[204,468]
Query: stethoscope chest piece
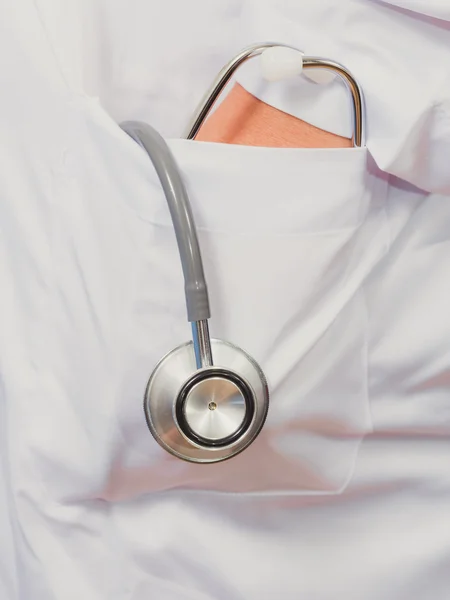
[206,415]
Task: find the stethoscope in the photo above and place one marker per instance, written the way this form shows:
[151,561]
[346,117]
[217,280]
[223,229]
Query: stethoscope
[207,400]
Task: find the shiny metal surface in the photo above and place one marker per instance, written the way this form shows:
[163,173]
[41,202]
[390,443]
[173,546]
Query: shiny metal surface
[215,408]
[202,344]
[309,62]
[169,378]
[359,133]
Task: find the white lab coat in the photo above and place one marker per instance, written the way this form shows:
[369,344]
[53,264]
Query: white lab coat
[332,273]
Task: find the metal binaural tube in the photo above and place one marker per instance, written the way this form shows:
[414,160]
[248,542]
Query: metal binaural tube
[202,344]
[225,75]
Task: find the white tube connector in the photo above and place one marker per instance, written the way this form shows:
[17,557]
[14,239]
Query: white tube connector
[278,63]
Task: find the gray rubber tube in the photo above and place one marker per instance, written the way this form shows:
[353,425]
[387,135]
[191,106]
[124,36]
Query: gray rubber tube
[196,291]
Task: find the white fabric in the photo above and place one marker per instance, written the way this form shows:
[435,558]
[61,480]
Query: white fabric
[434,8]
[156,63]
[396,55]
[333,275]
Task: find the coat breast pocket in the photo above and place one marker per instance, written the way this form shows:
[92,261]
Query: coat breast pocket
[289,238]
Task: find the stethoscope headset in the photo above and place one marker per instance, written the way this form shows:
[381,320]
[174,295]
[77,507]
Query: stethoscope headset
[207,400]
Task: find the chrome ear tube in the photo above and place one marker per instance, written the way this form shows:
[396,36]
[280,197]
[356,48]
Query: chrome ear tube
[309,62]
